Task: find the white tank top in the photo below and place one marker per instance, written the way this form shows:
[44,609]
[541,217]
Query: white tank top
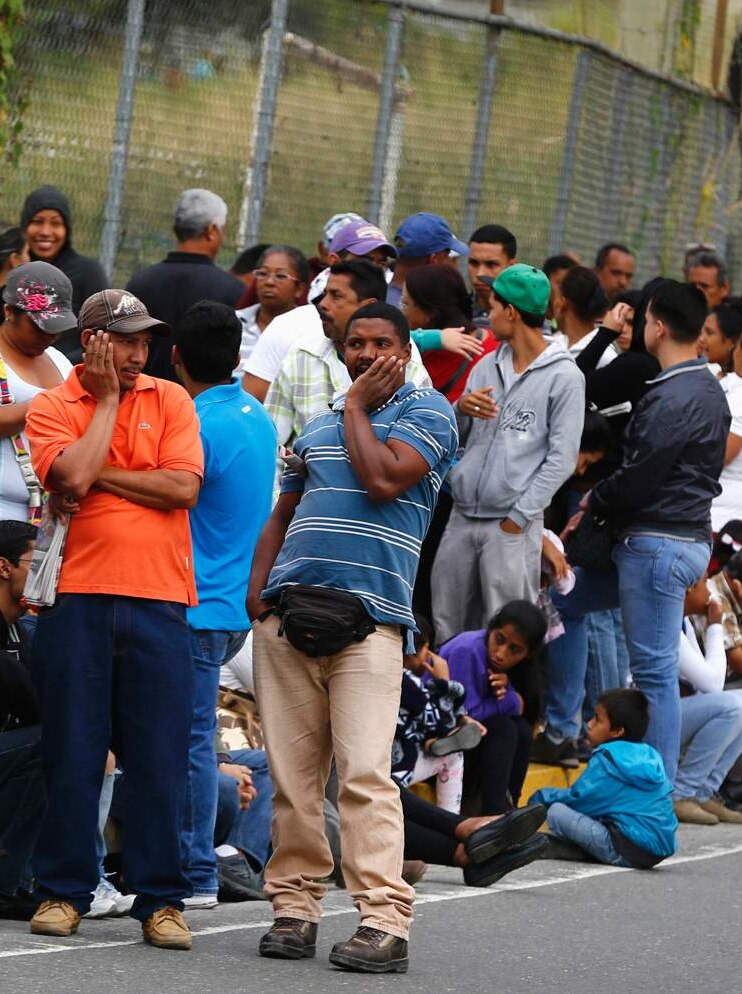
[13,490]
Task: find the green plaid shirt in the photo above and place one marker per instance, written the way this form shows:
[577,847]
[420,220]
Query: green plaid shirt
[311,375]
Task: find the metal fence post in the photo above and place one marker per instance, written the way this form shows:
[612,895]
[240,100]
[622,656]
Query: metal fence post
[473,193]
[393,162]
[261,142]
[121,134]
[395,30]
[564,187]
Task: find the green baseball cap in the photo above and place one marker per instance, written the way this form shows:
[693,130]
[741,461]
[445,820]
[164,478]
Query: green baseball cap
[525,287]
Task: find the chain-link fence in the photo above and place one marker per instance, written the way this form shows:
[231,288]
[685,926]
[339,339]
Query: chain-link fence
[294,110]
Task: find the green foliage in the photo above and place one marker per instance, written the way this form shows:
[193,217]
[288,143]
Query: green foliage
[12,102]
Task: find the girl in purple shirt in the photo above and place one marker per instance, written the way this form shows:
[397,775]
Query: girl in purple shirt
[500,676]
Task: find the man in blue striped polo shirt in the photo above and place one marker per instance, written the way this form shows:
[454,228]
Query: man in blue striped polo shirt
[356,501]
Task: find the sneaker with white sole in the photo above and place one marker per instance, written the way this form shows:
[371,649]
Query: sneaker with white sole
[200,902]
[108,902]
[122,902]
[103,903]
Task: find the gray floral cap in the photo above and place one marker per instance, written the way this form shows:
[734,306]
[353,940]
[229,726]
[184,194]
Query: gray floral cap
[44,294]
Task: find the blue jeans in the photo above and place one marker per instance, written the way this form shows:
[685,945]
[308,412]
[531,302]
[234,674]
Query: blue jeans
[249,831]
[114,672]
[210,650]
[21,804]
[568,654]
[590,834]
[711,737]
[607,658]
[653,573]
[104,807]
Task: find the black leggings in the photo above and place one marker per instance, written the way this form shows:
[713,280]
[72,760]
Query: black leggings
[499,763]
[429,831]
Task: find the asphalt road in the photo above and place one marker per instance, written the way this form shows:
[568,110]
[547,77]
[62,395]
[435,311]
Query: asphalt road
[551,928]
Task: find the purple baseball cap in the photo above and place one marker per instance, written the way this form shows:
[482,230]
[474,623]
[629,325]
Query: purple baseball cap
[360,238]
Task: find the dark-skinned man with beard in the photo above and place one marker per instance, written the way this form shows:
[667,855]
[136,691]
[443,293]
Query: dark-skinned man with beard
[343,544]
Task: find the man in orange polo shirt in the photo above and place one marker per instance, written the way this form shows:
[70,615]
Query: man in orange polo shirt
[113,654]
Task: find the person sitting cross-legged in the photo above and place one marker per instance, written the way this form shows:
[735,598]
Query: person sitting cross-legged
[619,811]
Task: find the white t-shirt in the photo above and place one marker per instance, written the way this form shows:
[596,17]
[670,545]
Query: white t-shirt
[728,504]
[283,332]
[237,673]
[250,335]
[13,490]
[574,350]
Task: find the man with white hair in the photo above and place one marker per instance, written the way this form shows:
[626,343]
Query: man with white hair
[188,274]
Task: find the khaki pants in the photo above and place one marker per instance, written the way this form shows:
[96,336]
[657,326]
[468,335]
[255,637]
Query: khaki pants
[345,705]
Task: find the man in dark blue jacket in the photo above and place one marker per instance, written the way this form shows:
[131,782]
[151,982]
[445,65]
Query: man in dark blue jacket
[659,503]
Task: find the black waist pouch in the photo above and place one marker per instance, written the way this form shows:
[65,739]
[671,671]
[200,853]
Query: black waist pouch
[320,621]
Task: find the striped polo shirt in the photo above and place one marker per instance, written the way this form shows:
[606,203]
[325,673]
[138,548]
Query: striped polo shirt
[340,538]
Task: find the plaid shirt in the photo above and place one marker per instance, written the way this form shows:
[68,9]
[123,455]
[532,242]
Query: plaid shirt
[311,376]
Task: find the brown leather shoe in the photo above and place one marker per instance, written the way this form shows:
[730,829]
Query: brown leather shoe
[716,806]
[55,918]
[289,938]
[690,812]
[370,950]
[166,928]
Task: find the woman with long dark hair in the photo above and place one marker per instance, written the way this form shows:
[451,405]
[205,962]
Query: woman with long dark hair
[720,334]
[437,297]
[501,679]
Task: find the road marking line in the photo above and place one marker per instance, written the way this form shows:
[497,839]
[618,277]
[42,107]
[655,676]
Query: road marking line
[457,894]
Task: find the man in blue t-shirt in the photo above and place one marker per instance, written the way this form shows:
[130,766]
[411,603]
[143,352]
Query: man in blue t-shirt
[239,442]
[337,561]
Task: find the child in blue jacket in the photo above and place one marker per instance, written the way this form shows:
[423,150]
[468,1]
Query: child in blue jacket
[619,811]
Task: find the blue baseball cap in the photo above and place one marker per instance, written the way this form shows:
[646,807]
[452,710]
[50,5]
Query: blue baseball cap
[423,233]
